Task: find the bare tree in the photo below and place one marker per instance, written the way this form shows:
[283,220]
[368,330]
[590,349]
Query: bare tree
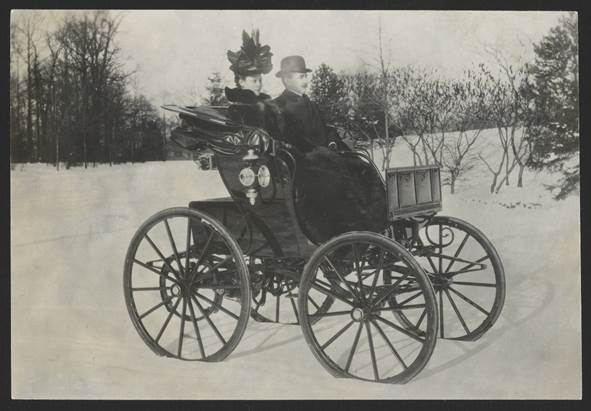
[458,157]
[514,77]
[377,101]
[502,106]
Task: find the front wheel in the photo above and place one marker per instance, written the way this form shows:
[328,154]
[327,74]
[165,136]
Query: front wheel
[359,336]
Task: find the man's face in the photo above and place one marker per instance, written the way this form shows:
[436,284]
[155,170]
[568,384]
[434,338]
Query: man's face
[296,82]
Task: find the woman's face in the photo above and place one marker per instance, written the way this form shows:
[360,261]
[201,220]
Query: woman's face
[253,83]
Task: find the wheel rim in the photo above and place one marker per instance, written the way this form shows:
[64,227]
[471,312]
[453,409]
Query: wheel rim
[359,336]
[174,297]
[467,276]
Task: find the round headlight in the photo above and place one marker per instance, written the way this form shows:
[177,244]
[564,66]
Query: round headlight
[246,176]
[264,176]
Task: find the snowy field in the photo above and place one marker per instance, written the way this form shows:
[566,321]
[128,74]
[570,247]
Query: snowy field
[72,337]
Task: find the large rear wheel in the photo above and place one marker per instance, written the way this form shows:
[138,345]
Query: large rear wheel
[186,286]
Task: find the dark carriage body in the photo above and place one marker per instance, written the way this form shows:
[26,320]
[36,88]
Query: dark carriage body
[297,211]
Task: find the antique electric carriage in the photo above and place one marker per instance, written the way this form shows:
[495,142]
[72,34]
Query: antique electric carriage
[373,282]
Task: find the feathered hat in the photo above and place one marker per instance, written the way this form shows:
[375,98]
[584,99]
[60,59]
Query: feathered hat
[252,58]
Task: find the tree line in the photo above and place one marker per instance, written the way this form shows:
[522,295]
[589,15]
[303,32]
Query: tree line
[71,101]
[533,108]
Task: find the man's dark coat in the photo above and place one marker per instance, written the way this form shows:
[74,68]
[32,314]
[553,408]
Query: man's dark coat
[304,125]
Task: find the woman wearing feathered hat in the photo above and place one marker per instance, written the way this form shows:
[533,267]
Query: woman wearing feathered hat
[248,103]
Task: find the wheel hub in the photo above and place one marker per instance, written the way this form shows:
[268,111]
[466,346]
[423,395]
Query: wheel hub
[175,290]
[441,282]
[360,314]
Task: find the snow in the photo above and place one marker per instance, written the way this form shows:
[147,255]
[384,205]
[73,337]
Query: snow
[72,337]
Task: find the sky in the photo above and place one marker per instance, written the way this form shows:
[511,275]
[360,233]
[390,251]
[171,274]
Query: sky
[174,51]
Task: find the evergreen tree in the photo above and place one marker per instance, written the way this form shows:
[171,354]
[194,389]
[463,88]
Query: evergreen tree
[553,109]
[328,91]
[215,91]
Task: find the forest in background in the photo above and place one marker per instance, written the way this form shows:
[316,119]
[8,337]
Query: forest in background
[72,102]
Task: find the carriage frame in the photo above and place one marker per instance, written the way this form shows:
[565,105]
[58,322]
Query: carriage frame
[249,254]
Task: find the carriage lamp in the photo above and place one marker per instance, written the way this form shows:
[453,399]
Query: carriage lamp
[247,176]
[254,175]
[264,176]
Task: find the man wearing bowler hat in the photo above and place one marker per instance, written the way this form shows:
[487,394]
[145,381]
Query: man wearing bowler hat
[304,126]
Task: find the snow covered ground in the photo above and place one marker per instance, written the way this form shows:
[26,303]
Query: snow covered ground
[72,337]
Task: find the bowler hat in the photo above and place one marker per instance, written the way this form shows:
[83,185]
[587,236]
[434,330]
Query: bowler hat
[292,64]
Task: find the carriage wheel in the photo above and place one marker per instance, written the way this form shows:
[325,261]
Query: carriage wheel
[467,276]
[277,293]
[180,266]
[357,337]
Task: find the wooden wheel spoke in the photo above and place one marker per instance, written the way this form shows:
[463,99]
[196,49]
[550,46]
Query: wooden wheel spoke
[377,272]
[470,283]
[391,289]
[458,251]
[337,335]
[472,263]
[421,318]
[400,329]
[154,270]
[454,273]
[387,340]
[441,327]
[372,352]
[314,303]
[188,245]
[293,306]
[330,314]
[440,249]
[323,290]
[218,306]
[469,301]
[455,308]
[208,319]
[398,309]
[196,327]
[353,348]
[154,308]
[355,296]
[409,299]
[205,248]
[173,246]
[157,250]
[178,301]
[150,288]
[358,270]
[182,329]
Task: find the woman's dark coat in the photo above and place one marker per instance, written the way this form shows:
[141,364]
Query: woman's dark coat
[255,111]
